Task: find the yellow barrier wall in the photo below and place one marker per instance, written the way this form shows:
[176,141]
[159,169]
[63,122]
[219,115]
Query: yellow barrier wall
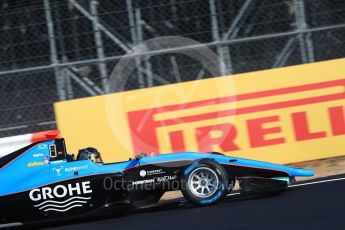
[282,115]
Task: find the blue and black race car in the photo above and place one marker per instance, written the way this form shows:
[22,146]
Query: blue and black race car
[43,182]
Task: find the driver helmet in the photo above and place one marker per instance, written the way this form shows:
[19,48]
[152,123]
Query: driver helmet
[90,154]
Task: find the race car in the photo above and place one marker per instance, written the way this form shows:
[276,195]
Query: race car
[43,182]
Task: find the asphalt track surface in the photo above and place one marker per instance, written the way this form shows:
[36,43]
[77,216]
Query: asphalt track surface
[311,205]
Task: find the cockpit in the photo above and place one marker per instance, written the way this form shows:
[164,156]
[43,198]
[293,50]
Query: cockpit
[58,152]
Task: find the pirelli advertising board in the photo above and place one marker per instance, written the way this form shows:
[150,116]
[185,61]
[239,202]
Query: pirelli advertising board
[283,115]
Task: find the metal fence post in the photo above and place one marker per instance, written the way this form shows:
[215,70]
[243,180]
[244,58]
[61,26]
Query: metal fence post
[307,53]
[216,36]
[133,21]
[60,84]
[99,43]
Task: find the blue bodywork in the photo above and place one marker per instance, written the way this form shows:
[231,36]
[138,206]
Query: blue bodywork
[34,169]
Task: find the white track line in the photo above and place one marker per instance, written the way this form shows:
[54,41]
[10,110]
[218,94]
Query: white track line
[10,225]
[317,182]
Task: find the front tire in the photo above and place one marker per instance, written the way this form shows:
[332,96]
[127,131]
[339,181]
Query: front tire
[205,183]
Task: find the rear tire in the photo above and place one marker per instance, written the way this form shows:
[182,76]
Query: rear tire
[205,183]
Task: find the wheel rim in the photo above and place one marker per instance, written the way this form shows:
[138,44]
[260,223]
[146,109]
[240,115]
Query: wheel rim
[203,182]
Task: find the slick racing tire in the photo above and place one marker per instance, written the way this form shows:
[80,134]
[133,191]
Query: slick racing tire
[205,182]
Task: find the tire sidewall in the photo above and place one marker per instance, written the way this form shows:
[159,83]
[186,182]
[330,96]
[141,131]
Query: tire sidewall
[221,190]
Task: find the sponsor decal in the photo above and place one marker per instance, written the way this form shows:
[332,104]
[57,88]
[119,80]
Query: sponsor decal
[61,169]
[38,155]
[61,198]
[34,164]
[76,168]
[166,178]
[155,180]
[46,160]
[155,172]
[58,170]
[144,173]
[143,182]
[42,146]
